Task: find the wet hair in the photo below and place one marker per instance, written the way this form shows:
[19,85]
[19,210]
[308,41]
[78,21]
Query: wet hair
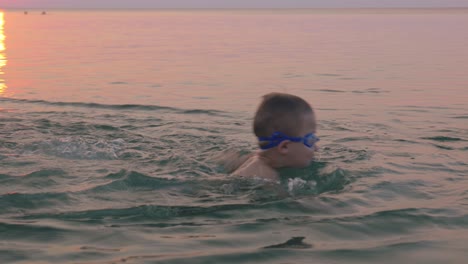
[280,112]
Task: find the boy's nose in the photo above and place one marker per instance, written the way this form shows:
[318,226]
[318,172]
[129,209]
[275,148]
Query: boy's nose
[316,147]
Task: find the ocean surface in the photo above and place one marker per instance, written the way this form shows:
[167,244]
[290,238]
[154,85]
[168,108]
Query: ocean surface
[113,124]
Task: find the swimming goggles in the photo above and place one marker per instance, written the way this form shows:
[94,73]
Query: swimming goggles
[276,138]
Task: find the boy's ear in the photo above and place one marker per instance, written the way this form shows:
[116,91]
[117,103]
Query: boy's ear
[283,147]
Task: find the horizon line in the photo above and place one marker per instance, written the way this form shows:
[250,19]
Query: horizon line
[219,8]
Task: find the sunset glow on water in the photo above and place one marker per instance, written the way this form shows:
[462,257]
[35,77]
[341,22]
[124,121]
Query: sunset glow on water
[3,59]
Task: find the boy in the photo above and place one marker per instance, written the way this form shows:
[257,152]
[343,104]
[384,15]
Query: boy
[285,126]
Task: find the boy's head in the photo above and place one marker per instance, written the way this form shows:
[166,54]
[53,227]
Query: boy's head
[286,123]
[280,112]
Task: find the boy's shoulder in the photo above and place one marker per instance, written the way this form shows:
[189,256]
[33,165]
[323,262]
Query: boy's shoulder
[255,167]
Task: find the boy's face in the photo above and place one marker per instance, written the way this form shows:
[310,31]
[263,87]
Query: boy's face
[299,154]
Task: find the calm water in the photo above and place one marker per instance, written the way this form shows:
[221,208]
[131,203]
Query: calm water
[110,122]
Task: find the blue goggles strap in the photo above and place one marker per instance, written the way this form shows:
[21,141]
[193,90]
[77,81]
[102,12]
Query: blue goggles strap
[276,138]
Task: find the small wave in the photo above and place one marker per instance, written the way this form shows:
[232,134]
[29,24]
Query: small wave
[433,107]
[406,141]
[443,138]
[370,90]
[201,111]
[295,242]
[18,202]
[12,119]
[124,180]
[138,213]
[413,217]
[316,179]
[115,107]
[89,105]
[333,181]
[77,147]
[297,185]
[350,139]
[347,155]
[29,232]
[293,75]
[443,147]
[36,180]
[331,91]
[329,74]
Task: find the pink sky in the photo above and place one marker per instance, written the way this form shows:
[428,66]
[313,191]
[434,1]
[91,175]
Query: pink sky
[226,3]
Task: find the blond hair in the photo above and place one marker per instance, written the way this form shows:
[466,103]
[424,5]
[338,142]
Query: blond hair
[280,112]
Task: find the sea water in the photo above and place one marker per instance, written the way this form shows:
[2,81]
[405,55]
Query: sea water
[112,124]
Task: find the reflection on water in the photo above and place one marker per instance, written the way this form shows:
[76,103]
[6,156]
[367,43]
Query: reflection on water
[3,60]
[228,59]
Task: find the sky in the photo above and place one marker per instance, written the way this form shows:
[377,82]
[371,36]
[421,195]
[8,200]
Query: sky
[227,3]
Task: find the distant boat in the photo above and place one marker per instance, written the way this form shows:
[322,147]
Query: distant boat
[25,12]
[44,12]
